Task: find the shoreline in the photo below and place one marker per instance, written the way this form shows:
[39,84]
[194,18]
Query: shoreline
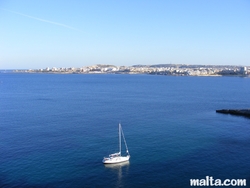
[128,73]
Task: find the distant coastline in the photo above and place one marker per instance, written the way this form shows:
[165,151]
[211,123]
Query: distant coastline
[160,69]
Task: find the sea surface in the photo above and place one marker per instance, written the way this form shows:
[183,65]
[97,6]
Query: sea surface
[55,130]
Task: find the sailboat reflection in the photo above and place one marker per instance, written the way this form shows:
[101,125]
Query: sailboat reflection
[122,169]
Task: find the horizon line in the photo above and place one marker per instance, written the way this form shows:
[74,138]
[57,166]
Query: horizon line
[130,66]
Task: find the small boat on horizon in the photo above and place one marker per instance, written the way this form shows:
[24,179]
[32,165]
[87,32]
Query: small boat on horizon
[117,157]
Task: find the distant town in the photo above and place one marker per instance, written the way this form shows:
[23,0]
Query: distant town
[161,69]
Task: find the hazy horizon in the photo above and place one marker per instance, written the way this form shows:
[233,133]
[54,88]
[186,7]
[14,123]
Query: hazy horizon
[128,66]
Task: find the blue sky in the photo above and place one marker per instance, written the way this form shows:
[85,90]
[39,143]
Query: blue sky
[76,33]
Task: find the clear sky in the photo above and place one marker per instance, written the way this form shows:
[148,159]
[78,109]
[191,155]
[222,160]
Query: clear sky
[76,33]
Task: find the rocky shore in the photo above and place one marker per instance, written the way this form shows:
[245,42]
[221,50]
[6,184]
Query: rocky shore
[239,112]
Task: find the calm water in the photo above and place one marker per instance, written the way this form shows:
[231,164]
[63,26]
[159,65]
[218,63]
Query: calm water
[55,130]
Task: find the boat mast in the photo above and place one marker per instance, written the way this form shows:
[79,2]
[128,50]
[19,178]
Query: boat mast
[120,146]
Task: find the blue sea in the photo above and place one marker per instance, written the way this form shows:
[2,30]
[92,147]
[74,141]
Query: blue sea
[55,130]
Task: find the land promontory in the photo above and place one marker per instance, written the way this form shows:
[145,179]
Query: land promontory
[239,112]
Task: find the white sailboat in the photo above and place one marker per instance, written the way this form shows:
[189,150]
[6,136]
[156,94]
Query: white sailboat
[117,157]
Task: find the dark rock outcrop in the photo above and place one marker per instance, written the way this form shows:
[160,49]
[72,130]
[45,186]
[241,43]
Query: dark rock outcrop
[239,112]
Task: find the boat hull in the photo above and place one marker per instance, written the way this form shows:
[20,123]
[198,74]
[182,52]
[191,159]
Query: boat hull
[114,160]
